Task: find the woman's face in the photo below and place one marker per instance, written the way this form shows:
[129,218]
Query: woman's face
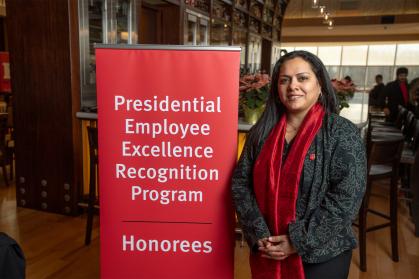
[298,86]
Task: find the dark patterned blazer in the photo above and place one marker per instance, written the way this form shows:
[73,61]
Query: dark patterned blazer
[330,193]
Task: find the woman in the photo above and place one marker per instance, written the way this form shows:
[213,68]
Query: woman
[301,177]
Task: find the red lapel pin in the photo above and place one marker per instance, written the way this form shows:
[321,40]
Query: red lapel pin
[312,156]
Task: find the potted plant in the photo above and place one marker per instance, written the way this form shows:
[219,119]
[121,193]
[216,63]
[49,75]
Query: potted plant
[344,90]
[254,91]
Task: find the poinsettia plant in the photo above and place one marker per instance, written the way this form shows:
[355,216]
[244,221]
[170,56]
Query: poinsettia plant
[344,90]
[254,90]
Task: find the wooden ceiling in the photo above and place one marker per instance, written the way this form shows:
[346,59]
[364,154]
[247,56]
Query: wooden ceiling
[355,8]
[354,20]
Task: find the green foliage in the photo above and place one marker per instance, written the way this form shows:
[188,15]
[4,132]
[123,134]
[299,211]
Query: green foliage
[255,98]
[343,103]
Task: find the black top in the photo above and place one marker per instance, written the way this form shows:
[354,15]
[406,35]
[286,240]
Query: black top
[286,150]
[394,96]
[377,97]
[330,193]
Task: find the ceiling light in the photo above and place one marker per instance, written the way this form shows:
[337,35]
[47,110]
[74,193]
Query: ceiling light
[322,9]
[330,24]
[315,4]
[326,16]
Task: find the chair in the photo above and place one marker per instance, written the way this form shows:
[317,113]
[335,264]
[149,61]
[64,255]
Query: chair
[408,125]
[407,165]
[398,123]
[383,162]
[374,131]
[10,140]
[414,186]
[94,163]
[408,154]
[377,118]
[414,141]
[401,116]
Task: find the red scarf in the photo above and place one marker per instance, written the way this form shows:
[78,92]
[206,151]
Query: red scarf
[276,189]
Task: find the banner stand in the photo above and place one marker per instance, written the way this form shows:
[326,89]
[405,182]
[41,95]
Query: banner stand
[167,126]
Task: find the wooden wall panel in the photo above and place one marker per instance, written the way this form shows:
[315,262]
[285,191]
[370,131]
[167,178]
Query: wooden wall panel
[77,175]
[160,24]
[150,25]
[42,55]
[266,56]
[171,25]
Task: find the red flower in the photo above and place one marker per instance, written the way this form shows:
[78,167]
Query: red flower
[250,82]
[344,90]
[254,90]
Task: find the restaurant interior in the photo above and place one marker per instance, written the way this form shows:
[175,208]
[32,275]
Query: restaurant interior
[49,200]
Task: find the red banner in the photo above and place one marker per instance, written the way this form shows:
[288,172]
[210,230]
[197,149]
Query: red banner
[167,148]
[4,72]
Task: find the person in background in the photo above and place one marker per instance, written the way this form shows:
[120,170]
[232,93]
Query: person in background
[301,177]
[414,97]
[396,93]
[348,79]
[376,98]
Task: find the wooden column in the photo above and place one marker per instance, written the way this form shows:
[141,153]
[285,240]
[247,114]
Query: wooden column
[44,56]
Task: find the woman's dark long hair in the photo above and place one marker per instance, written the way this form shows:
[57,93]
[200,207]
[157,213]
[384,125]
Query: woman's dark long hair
[275,109]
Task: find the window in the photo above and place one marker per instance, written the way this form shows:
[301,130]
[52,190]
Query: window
[334,71]
[203,31]
[372,71]
[255,53]
[351,60]
[381,55]
[307,48]
[354,55]
[288,49]
[276,54]
[407,54]
[122,12]
[191,29]
[330,55]
[240,39]
[107,22]
[413,72]
[196,29]
[362,63]
[357,74]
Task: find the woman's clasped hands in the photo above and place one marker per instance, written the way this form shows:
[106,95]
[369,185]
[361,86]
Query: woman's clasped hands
[276,247]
